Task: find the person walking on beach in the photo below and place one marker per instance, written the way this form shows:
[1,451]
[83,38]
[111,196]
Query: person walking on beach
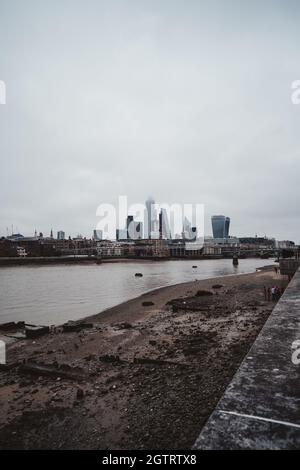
[278,292]
[269,294]
[273,292]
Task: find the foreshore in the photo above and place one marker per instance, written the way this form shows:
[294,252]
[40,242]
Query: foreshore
[144,374]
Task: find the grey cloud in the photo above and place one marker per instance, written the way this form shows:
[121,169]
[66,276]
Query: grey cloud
[188,101]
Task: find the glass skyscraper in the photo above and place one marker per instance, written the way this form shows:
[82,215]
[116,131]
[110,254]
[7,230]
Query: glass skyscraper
[220,226]
[164,228]
[151,223]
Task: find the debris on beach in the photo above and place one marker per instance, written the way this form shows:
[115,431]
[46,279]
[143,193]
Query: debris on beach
[123,326]
[80,393]
[33,331]
[56,371]
[72,326]
[203,293]
[12,326]
[110,358]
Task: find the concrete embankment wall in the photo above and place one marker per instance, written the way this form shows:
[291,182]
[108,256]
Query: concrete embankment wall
[289,266]
[261,407]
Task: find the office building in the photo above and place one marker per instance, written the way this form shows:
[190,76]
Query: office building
[220,226]
[164,227]
[151,223]
[97,235]
[61,235]
[138,230]
[188,232]
[129,226]
[121,234]
[134,229]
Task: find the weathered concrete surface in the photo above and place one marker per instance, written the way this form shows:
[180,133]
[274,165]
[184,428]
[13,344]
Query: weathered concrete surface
[289,266]
[261,407]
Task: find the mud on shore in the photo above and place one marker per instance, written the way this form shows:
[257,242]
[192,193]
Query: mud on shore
[141,376]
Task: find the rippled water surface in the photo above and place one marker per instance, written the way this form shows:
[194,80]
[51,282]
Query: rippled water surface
[55,294]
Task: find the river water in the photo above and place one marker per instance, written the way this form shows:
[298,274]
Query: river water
[50,295]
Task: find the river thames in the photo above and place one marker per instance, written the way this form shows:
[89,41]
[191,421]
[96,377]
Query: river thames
[54,294]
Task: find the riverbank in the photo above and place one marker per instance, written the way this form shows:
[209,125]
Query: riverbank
[77,259]
[144,374]
[67,260]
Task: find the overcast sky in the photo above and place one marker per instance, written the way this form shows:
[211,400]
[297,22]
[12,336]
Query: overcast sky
[187,101]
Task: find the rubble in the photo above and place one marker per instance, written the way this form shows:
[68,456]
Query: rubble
[153,361]
[65,372]
[71,326]
[32,332]
[123,326]
[9,326]
[111,358]
[79,393]
[203,293]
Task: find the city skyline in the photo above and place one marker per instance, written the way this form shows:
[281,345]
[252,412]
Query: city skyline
[155,216]
[86,231]
[123,232]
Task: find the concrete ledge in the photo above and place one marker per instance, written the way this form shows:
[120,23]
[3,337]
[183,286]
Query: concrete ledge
[289,266]
[261,407]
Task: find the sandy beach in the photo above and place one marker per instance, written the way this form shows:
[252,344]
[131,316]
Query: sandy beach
[143,375]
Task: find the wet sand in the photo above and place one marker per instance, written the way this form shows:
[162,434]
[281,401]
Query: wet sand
[138,377]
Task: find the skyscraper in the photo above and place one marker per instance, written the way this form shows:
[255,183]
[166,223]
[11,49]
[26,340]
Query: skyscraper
[97,235]
[134,229]
[61,235]
[188,232]
[138,230]
[220,226]
[150,218]
[129,226]
[227,225]
[121,234]
[164,228]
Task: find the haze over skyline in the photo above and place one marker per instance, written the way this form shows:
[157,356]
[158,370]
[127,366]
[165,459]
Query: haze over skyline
[187,101]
